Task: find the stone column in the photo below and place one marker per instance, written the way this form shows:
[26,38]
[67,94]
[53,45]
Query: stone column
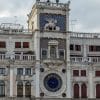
[11,81]
[37,66]
[37,80]
[69,84]
[90,82]
[57,52]
[80,90]
[24,89]
[85,52]
[49,51]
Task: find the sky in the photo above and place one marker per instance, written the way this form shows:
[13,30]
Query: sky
[84,14]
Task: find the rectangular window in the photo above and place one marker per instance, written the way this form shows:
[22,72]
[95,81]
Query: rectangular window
[97,48]
[93,48]
[19,71]
[2,71]
[61,54]
[2,44]
[28,71]
[83,72]
[17,44]
[44,53]
[71,47]
[75,72]
[97,73]
[25,44]
[78,47]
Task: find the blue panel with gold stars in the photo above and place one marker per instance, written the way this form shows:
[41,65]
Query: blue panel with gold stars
[52,22]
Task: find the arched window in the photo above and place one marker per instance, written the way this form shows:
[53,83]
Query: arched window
[76,91]
[2,88]
[98,91]
[19,89]
[28,89]
[83,91]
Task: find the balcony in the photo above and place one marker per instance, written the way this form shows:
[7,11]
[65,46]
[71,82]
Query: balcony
[84,35]
[24,57]
[85,60]
[17,57]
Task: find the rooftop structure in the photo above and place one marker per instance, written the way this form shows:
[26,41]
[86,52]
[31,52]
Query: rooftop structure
[11,27]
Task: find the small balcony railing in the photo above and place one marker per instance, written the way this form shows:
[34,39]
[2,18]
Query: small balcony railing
[84,60]
[57,5]
[2,56]
[18,57]
[24,57]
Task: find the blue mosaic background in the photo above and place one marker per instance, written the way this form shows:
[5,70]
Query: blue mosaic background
[61,20]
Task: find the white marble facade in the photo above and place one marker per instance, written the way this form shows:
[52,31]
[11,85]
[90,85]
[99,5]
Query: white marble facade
[49,61]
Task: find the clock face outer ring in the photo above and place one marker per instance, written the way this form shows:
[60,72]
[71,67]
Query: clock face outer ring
[53,82]
[56,91]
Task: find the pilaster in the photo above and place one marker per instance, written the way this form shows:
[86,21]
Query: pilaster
[37,68]
[90,81]
[69,83]
[84,52]
[11,81]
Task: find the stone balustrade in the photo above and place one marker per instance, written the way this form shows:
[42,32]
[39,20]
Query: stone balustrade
[18,57]
[85,60]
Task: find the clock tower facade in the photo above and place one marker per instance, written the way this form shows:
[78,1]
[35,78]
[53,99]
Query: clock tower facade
[49,22]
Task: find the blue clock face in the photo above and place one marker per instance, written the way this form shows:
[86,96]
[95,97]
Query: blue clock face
[52,82]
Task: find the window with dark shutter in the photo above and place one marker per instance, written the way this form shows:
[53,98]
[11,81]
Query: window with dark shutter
[17,44]
[19,71]
[71,47]
[91,48]
[97,73]
[75,72]
[25,44]
[94,48]
[83,72]
[78,47]
[28,71]
[2,71]
[2,44]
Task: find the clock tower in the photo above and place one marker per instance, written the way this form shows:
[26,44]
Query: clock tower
[49,22]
